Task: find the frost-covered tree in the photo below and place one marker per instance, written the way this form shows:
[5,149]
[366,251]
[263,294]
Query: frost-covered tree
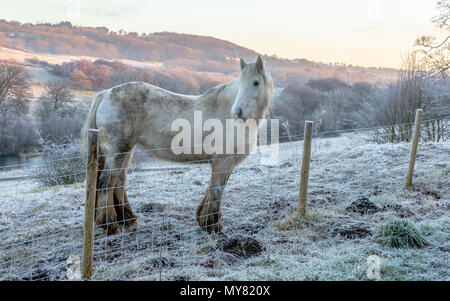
[14,81]
[294,105]
[54,100]
[434,52]
[406,95]
[396,110]
[14,88]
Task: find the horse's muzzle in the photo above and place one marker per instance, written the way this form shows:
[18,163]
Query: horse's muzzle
[237,114]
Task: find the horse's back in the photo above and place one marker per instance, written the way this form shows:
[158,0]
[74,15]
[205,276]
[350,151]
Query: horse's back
[140,113]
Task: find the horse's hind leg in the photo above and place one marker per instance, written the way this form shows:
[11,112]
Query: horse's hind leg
[125,215]
[105,213]
[209,211]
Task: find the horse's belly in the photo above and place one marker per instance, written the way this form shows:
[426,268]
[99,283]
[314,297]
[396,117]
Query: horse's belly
[160,146]
[168,155]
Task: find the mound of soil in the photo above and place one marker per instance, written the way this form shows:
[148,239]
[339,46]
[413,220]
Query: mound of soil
[352,231]
[362,206]
[241,246]
[399,210]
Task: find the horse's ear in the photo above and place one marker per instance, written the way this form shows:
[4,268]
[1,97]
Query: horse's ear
[259,63]
[243,63]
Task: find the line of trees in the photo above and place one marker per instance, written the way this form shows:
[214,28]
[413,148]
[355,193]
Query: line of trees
[102,74]
[335,105]
[422,82]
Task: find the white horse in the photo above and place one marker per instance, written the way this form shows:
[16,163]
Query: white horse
[140,113]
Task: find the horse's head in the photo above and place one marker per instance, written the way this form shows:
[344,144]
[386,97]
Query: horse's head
[255,91]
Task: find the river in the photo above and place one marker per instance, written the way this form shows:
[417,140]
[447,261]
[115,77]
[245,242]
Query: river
[15,161]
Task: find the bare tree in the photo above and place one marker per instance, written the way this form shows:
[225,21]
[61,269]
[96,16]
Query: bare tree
[16,131]
[14,80]
[401,101]
[59,117]
[407,94]
[337,101]
[57,91]
[295,104]
[435,54]
[14,87]
[54,101]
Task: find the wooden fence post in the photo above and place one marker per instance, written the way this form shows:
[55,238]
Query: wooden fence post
[414,144]
[91,189]
[305,168]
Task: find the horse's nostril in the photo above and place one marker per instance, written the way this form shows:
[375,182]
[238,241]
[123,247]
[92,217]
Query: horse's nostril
[239,112]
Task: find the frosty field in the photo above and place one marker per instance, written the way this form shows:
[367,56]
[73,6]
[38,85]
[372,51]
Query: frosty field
[263,238]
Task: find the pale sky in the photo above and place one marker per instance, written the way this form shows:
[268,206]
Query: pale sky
[359,32]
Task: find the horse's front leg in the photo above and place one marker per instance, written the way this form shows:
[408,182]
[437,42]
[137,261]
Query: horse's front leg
[209,211]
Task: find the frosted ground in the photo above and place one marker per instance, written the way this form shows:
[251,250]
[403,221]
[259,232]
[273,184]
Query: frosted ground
[41,228]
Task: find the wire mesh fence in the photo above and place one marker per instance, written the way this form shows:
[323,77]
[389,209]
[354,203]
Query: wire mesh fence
[41,227]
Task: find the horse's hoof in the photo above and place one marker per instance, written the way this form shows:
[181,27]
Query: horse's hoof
[209,225]
[129,220]
[209,222]
[112,229]
[116,231]
[215,228]
[132,225]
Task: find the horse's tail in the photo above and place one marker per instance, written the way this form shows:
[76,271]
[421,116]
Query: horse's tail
[90,122]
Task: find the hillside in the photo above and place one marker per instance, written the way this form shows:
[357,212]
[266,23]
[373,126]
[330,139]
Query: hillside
[174,51]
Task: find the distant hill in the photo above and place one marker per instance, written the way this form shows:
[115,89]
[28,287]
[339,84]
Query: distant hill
[177,52]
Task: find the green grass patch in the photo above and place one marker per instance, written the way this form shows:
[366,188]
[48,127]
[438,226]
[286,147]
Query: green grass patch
[400,233]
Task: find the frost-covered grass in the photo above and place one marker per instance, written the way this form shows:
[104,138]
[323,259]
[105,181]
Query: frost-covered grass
[41,227]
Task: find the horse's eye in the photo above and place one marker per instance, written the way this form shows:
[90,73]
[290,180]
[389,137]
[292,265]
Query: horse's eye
[256,83]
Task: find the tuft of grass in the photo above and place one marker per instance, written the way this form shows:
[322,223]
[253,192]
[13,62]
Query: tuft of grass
[400,233]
